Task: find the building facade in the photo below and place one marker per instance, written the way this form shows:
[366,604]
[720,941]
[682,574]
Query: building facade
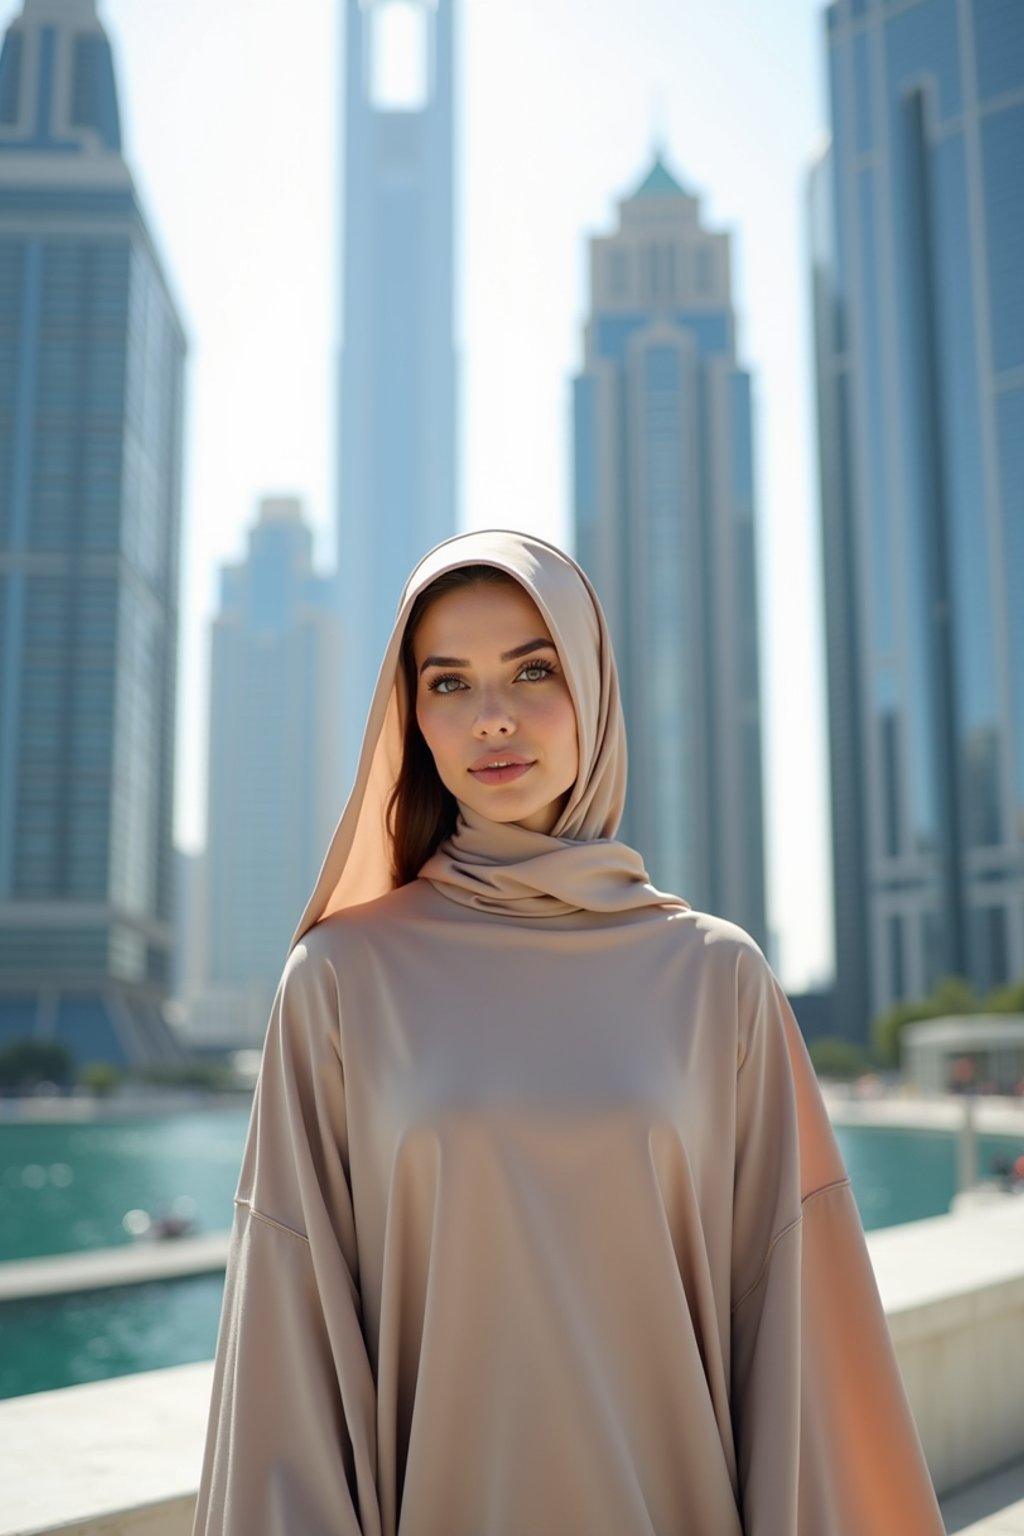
[664,517]
[396,475]
[917,233]
[275,790]
[91,364]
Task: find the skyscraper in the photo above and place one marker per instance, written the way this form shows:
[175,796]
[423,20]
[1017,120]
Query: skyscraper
[91,360]
[664,510]
[917,217]
[396,480]
[274,785]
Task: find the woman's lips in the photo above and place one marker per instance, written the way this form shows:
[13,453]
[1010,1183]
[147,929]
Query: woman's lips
[501,775]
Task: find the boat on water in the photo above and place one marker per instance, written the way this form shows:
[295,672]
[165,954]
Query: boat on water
[169,1222]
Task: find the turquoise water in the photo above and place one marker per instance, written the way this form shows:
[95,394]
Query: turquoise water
[67,1187]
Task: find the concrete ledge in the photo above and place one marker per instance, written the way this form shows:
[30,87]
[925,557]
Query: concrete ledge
[953,1291]
[114,1458]
[992,1507]
[994,1115]
[100,1268]
[122,1457]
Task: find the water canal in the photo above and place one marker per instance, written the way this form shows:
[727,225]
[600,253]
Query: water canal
[68,1187]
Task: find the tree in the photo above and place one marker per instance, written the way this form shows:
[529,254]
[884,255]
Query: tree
[833,1056]
[1006,999]
[213,1075]
[951,995]
[102,1077]
[26,1063]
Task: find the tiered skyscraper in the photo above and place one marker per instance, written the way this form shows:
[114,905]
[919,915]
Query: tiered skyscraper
[91,355]
[274,778]
[918,232]
[397,477]
[665,526]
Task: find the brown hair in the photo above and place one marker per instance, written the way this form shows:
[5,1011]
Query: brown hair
[421,811]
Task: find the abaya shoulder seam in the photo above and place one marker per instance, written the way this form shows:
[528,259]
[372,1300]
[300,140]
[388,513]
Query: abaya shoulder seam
[268,1221]
[776,1240]
[824,1189]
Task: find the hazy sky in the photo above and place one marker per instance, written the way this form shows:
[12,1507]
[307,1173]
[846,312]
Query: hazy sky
[232,124]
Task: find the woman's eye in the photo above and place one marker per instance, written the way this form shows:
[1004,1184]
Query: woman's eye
[534,671]
[445,684]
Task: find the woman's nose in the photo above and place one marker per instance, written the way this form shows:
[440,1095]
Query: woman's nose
[493,717]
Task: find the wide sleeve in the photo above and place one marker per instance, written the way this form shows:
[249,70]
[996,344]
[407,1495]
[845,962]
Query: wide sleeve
[826,1445]
[291,1442]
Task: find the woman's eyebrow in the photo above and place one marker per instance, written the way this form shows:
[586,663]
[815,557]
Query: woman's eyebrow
[524,650]
[512,655]
[443,661]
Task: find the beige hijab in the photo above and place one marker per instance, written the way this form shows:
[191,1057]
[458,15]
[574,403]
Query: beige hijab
[503,868]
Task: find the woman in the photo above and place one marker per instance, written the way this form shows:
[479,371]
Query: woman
[541,1228]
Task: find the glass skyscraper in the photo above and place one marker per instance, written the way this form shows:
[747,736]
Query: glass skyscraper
[396,474]
[917,219]
[91,359]
[664,516]
[275,790]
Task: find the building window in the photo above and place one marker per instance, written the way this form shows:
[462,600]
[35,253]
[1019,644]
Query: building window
[989,959]
[10,79]
[998,46]
[617,270]
[890,782]
[981,786]
[399,54]
[84,93]
[1010,418]
[936,950]
[659,266]
[1002,137]
[897,970]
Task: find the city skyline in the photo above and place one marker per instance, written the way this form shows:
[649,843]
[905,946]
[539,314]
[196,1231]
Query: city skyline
[244,203]
[666,526]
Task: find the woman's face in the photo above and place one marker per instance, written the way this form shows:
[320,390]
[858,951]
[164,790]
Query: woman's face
[493,704]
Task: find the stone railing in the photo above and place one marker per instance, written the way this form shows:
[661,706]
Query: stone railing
[953,1288]
[121,1457]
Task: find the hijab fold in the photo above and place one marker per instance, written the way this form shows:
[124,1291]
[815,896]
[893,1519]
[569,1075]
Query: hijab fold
[503,868]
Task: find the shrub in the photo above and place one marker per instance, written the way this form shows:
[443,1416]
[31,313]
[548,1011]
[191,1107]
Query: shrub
[953,994]
[24,1064]
[190,1074]
[101,1077]
[1006,999]
[833,1056]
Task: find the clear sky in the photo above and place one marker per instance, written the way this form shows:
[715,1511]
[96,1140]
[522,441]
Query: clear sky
[232,124]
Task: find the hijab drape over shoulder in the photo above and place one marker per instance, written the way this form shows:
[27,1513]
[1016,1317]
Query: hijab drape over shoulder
[541,1228]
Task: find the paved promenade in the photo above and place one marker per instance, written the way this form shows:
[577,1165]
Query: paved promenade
[992,1507]
[905,1110]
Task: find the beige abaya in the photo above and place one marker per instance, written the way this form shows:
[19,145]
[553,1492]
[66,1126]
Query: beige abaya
[541,1228]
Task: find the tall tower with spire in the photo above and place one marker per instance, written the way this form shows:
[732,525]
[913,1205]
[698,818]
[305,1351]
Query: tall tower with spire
[664,514]
[396,481]
[91,363]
